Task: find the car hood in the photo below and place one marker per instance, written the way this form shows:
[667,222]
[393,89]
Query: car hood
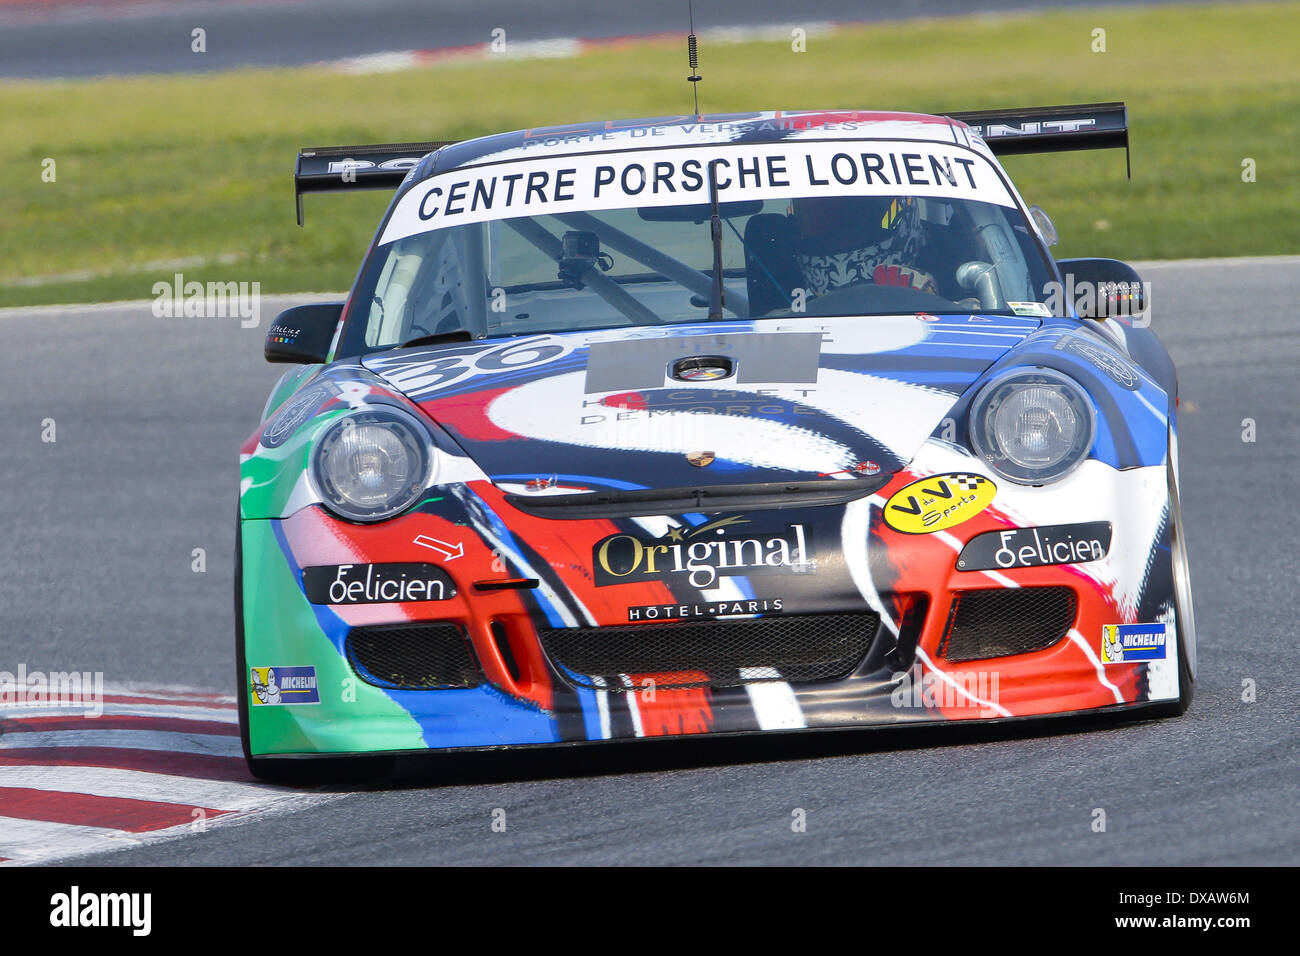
[801,400]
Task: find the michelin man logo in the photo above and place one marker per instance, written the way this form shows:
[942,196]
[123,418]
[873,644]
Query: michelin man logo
[1112,652]
[265,689]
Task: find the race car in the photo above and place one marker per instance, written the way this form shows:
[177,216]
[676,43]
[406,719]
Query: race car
[763,422]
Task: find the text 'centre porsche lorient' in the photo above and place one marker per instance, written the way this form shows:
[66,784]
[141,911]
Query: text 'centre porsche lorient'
[710,425]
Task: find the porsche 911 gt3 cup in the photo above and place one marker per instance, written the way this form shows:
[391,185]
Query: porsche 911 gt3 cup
[710,425]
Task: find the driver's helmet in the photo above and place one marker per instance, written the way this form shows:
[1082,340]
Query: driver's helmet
[844,240]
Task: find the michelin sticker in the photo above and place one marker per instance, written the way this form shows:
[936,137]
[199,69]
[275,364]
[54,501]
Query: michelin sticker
[284,685]
[1130,643]
[554,185]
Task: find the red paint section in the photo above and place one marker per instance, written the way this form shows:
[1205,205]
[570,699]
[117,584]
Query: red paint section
[109,722]
[684,710]
[1060,678]
[214,703]
[467,415]
[88,810]
[155,761]
[316,538]
[165,695]
[631,400]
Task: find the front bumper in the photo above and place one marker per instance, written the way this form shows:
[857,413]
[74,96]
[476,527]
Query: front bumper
[337,700]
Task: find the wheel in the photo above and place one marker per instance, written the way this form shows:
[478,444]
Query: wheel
[241,665]
[1185,625]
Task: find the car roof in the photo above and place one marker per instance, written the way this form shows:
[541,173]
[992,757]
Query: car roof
[671,131]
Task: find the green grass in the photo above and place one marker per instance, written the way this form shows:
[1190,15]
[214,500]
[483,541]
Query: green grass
[199,168]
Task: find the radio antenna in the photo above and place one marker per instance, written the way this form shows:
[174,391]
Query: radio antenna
[693,55]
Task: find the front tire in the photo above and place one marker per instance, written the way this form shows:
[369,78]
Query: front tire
[1184,614]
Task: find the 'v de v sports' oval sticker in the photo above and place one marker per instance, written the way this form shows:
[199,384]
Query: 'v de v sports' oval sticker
[938,502]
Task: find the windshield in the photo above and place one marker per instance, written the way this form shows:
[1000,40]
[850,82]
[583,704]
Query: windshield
[789,249]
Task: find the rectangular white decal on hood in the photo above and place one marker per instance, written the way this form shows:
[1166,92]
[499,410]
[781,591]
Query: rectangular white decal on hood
[680,176]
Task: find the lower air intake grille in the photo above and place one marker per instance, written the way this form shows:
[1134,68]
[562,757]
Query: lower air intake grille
[420,656]
[999,623]
[714,653]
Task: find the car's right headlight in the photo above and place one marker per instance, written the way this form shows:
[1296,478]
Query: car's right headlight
[1032,427]
[372,463]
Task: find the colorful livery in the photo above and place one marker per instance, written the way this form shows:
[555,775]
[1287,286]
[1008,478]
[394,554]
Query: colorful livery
[710,425]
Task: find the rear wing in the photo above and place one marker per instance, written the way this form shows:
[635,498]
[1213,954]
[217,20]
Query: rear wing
[1052,129]
[1035,129]
[333,168]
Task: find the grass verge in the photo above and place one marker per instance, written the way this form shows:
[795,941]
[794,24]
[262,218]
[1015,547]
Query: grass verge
[194,173]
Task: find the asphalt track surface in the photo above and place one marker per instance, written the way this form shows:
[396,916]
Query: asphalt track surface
[101,525]
[74,38]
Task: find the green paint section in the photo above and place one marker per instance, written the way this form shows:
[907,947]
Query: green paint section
[280,629]
[289,383]
[267,478]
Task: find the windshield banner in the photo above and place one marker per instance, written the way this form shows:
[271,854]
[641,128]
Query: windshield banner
[680,177]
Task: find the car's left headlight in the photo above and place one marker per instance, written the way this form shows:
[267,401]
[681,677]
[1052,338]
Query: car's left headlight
[372,463]
[1032,427]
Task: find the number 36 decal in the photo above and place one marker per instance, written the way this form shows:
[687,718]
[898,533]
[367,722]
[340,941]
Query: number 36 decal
[420,377]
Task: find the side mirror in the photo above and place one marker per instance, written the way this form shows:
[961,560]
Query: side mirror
[1101,288]
[303,334]
[1045,225]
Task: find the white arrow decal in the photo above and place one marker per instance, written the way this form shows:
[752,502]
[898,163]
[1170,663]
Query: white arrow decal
[450,551]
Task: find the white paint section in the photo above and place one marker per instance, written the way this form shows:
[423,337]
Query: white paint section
[135,785]
[855,538]
[898,415]
[220,715]
[602,707]
[169,694]
[301,496]
[1097,665]
[986,705]
[861,336]
[629,695]
[213,745]
[774,702]
[1189,626]
[595,181]
[551,409]
[1162,676]
[35,841]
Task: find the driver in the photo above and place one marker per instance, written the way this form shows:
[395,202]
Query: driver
[847,240]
